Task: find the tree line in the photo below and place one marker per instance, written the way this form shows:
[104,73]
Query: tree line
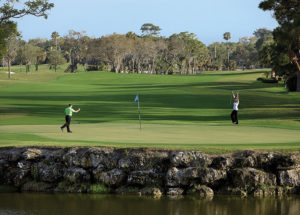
[148,52]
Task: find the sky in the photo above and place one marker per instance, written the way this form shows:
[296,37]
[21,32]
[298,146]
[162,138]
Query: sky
[208,19]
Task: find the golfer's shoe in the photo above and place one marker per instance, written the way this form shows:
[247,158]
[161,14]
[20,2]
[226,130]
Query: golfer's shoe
[62,129]
[69,131]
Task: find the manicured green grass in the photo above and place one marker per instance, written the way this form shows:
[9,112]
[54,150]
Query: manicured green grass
[178,112]
[212,139]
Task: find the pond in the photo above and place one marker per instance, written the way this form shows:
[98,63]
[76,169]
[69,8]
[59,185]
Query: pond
[79,204]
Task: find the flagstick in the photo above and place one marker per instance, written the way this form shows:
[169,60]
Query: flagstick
[139,113]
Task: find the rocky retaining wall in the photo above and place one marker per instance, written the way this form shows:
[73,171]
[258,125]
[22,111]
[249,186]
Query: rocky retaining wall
[149,172]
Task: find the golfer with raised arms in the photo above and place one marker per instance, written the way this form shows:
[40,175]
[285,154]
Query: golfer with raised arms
[69,112]
[234,116]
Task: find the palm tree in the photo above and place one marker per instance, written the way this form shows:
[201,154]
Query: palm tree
[227,36]
[54,37]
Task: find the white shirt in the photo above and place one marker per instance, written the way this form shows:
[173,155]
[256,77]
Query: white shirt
[236,105]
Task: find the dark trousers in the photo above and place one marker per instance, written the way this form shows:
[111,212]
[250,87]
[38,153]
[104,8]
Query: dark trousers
[234,117]
[67,124]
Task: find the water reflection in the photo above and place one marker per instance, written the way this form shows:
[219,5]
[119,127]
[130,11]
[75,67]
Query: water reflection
[47,204]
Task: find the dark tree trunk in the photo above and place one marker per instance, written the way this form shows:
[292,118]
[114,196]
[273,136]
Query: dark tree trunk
[228,60]
[298,82]
[27,68]
[72,68]
[297,63]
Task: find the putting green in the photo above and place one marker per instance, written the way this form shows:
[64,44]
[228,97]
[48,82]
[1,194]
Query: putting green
[205,138]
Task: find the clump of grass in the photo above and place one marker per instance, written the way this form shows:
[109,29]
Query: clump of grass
[99,188]
[35,172]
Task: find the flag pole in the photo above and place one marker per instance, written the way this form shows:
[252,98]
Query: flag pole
[139,113]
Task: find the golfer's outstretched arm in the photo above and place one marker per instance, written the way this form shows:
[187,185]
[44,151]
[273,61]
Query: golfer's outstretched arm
[233,94]
[76,111]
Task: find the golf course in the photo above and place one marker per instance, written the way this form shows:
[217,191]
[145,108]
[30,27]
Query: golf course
[177,111]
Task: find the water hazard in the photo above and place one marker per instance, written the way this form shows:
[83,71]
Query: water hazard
[55,204]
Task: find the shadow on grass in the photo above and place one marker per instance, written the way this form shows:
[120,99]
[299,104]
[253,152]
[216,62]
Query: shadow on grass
[212,85]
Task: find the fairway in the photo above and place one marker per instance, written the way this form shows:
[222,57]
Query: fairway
[178,112]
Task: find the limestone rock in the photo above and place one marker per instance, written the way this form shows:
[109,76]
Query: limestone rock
[33,154]
[289,161]
[51,173]
[76,169]
[91,157]
[12,154]
[18,175]
[266,161]
[245,159]
[264,192]
[189,159]
[54,155]
[114,178]
[201,191]
[124,163]
[289,178]
[144,178]
[144,159]
[221,162]
[211,176]
[239,192]
[98,171]
[175,177]
[184,177]
[76,175]
[250,177]
[151,191]
[175,191]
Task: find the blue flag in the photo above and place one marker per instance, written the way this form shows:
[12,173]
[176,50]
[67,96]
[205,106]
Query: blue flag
[136,98]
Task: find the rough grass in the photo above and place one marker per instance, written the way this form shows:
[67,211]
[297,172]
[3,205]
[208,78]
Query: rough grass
[178,112]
